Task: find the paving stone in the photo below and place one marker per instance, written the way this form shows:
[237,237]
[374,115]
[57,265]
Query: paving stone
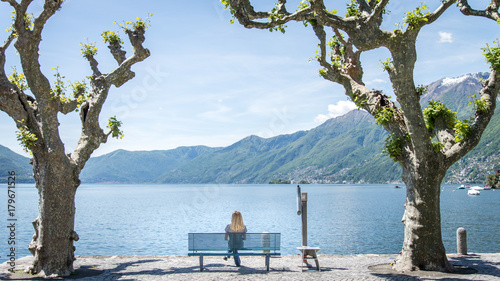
[333,267]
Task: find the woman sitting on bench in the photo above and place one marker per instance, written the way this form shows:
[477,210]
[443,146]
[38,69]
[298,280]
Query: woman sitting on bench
[235,232]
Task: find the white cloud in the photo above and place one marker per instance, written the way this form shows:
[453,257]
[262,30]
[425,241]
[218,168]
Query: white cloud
[334,110]
[445,37]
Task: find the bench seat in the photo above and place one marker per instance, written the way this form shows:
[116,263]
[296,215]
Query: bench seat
[215,244]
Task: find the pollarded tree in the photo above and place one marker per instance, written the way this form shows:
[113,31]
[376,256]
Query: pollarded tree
[425,143]
[36,113]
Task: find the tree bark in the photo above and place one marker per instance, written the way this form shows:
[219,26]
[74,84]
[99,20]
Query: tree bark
[423,247]
[52,244]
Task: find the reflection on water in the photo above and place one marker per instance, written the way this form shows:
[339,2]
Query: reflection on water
[342,219]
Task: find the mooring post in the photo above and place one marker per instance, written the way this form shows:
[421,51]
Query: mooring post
[462,241]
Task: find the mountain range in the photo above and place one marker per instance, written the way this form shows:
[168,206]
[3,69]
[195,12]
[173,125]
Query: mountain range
[342,149]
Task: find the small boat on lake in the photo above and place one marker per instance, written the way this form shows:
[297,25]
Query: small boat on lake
[473,192]
[461,187]
[479,188]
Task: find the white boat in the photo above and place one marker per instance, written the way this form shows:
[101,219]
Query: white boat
[479,188]
[473,192]
[487,187]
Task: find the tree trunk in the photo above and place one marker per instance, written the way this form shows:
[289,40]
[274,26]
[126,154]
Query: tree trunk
[52,244]
[423,247]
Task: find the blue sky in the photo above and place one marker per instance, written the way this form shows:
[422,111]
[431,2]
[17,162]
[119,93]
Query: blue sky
[209,82]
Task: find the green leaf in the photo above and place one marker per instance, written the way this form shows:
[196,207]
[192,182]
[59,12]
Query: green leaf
[114,125]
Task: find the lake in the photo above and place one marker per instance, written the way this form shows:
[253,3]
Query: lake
[342,219]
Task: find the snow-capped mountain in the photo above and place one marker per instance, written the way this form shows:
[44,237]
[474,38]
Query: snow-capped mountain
[454,91]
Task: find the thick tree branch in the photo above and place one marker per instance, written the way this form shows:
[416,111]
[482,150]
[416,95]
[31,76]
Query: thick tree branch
[11,97]
[489,93]
[68,106]
[3,48]
[49,9]
[246,15]
[348,73]
[123,73]
[364,7]
[118,53]
[27,45]
[491,11]
[93,64]
[92,134]
[13,3]
[378,10]
[438,12]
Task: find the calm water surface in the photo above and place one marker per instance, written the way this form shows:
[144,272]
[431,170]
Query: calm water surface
[342,219]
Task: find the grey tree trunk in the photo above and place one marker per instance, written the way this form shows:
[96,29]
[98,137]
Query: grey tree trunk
[422,246]
[52,245]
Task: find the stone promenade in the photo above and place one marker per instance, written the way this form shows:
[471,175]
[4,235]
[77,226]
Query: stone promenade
[333,267]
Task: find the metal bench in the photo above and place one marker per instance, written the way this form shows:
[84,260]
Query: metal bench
[248,244]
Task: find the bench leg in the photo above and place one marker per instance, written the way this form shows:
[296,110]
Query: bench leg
[267,262]
[317,262]
[201,262]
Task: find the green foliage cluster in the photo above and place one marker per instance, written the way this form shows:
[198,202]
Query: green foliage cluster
[80,92]
[138,24]
[114,125]
[59,89]
[227,5]
[493,180]
[337,51]
[417,16]
[79,89]
[421,89]
[302,5]
[492,54]
[360,102]
[437,146]
[352,9]
[393,146]
[480,105]
[28,21]
[322,72]
[274,16]
[18,79]
[387,65]
[385,115]
[462,130]
[111,37]
[88,50]
[26,138]
[435,110]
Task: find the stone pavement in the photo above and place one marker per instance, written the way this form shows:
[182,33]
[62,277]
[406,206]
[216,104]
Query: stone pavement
[333,267]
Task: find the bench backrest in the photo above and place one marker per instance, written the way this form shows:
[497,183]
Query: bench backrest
[252,241]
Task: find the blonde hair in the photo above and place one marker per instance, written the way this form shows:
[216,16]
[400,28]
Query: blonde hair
[237,224]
